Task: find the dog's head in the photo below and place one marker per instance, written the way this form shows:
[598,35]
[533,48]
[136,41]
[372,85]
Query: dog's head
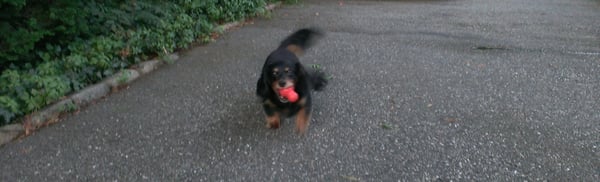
[282,70]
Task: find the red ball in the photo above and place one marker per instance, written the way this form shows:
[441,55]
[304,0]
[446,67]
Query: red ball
[289,94]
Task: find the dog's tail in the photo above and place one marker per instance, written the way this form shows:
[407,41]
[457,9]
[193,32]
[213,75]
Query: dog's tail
[301,40]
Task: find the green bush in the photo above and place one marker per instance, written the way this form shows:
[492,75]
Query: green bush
[52,48]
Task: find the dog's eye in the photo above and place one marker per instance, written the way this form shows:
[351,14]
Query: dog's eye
[275,73]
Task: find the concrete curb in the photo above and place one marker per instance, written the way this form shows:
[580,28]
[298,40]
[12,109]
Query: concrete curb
[50,113]
[88,95]
[9,132]
[123,77]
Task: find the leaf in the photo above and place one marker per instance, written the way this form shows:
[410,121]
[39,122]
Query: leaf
[315,66]
[329,77]
[451,120]
[487,48]
[350,178]
[6,116]
[386,126]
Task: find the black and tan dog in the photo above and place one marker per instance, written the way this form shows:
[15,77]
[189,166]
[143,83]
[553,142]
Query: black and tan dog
[282,69]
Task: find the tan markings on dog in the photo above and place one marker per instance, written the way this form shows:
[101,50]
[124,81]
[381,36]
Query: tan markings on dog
[269,103]
[297,50]
[273,121]
[286,69]
[302,102]
[302,120]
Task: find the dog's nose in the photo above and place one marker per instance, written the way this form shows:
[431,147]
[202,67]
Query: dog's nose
[282,83]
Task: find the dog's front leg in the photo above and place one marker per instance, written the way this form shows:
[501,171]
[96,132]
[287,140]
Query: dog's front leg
[303,120]
[273,117]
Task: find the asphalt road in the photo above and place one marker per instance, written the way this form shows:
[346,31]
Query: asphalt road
[438,90]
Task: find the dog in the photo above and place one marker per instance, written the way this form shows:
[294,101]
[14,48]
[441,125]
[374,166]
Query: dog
[282,69]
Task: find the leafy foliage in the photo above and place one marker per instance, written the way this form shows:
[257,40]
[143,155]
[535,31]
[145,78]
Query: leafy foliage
[51,48]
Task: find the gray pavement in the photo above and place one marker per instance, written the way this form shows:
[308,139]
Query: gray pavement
[463,90]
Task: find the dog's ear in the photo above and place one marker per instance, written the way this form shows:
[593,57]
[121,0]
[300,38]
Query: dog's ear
[300,71]
[262,89]
[301,77]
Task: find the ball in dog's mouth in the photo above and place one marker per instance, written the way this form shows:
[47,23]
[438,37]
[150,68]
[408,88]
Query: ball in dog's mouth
[288,94]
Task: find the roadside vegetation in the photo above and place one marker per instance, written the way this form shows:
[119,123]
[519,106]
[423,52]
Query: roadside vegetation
[49,49]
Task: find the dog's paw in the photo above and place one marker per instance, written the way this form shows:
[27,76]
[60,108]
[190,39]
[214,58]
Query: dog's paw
[273,121]
[301,130]
[273,125]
